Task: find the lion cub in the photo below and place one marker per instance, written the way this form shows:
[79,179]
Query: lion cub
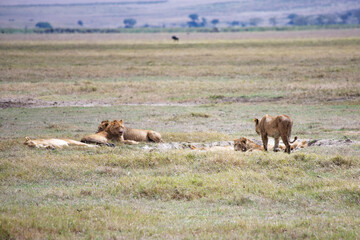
[113,131]
[138,135]
[246,145]
[53,143]
[276,127]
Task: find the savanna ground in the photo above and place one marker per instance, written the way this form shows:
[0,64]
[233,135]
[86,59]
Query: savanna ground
[205,88]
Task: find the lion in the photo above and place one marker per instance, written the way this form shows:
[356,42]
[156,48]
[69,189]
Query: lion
[53,143]
[276,127]
[246,145]
[137,135]
[114,131]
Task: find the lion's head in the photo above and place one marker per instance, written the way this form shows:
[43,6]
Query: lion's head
[241,144]
[116,128]
[103,126]
[29,142]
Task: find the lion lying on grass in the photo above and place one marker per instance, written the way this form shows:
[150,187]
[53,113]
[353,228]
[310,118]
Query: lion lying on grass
[114,131]
[246,145]
[137,135]
[53,143]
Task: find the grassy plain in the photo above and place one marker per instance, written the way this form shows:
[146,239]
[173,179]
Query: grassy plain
[197,90]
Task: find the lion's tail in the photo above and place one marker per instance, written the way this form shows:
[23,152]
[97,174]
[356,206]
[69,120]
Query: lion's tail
[295,138]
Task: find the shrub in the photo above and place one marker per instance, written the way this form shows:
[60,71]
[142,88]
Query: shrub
[43,25]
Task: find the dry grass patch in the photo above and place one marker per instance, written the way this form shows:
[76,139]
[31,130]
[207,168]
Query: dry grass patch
[127,192]
[299,69]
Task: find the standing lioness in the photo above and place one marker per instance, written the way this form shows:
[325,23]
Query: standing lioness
[276,127]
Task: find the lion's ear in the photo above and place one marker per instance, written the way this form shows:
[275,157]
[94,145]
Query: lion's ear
[27,139]
[121,121]
[256,120]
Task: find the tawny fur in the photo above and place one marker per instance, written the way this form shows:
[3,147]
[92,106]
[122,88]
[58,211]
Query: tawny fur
[246,145]
[276,127]
[113,132]
[138,135]
[53,143]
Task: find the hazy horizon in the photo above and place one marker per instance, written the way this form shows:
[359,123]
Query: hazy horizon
[159,13]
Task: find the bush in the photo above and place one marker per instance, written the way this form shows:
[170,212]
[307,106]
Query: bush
[43,25]
[129,22]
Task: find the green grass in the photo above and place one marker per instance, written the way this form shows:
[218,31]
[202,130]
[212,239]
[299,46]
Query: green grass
[203,123]
[200,90]
[122,192]
[298,71]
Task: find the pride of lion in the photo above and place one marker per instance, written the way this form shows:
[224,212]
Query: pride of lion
[115,131]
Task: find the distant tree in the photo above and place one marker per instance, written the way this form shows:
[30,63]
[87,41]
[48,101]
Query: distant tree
[325,19]
[291,17]
[255,21]
[195,21]
[203,22]
[129,22]
[344,17]
[235,23]
[214,22]
[356,14]
[301,20]
[273,21]
[43,25]
[80,23]
[192,24]
[194,17]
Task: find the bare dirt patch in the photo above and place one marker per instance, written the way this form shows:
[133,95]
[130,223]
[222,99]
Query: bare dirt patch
[36,103]
[189,145]
[28,102]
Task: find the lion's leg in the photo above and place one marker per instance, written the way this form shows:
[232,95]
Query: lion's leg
[97,142]
[130,142]
[265,141]
[276,146]
[286,142]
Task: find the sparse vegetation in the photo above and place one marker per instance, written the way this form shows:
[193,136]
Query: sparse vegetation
[207,88]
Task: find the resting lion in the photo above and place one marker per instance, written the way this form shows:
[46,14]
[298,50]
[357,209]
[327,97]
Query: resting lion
[276,127]
[114,131]
[53,143]
[138,135]
[246,145]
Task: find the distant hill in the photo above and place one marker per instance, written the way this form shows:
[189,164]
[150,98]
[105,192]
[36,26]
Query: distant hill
[162,13]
